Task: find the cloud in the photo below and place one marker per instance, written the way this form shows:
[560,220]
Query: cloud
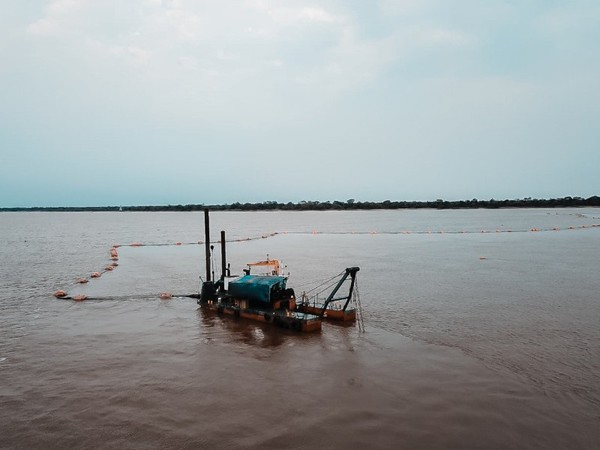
[129,54]
[294,13]
[432,36]
[57,15]
[568,18]
[445,83]
[253,51]
[308,44]
[44,27]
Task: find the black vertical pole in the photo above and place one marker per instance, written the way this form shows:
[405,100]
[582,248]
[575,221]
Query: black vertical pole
[223,256]
[207,243]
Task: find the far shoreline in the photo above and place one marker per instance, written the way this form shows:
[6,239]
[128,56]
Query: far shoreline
[349,205]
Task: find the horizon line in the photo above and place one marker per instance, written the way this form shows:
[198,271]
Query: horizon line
[336,204]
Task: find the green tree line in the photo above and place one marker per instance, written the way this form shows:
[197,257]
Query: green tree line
[350,204]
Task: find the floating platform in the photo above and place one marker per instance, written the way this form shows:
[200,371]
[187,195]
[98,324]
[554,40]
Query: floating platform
[335,309]
[337,315]
[292,320]
[266,297]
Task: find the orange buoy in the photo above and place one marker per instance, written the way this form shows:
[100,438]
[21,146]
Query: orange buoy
[82,280]
[60,294]
[95,275]
[177,243]
[109,268]
[114,264]
[166,295]
[80,297]
[136,244]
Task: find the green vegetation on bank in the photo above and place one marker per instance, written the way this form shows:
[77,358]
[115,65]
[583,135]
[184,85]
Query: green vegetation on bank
[337,205]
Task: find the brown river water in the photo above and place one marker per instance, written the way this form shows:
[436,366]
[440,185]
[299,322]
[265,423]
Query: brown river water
[472,339]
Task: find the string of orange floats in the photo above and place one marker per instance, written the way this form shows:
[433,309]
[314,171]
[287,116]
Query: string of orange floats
[148,296]
[114,254]
[373,232]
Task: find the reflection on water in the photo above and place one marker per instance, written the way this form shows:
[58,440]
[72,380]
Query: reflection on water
[255,334]
[259,334]
[472,340]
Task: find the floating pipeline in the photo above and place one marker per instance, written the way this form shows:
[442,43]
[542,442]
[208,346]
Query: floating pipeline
[371,232]
[402,232]
[62,295]
[180,243]
[114,255]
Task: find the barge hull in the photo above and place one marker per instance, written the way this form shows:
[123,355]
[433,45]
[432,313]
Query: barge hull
[296,321]
[337,315]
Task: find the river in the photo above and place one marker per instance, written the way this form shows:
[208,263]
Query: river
[479,332]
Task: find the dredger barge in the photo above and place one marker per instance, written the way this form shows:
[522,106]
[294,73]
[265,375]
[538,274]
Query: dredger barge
[266,298]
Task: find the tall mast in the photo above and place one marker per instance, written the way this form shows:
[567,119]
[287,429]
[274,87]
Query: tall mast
[207,243]
[223,256]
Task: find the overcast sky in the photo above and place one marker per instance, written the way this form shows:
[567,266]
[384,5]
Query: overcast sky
[138,102]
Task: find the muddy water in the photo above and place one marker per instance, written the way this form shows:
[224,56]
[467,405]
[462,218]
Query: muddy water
[473,340]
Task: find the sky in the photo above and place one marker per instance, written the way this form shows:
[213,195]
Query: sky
[156,102]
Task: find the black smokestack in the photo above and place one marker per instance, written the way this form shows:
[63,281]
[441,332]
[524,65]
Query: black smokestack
[207,243]
[223,256]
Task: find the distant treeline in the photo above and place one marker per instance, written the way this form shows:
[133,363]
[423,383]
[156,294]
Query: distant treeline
[338,205]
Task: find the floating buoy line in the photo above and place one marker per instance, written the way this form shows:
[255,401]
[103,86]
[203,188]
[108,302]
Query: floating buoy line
[484,231]
[114,254]
[114,257]
[62,295]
